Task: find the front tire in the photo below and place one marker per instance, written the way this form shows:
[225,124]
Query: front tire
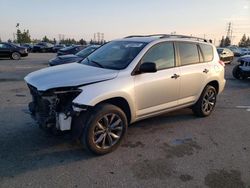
[105,128]
[206,103]
[15,56]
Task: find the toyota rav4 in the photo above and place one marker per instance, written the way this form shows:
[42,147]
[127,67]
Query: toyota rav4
[125,81]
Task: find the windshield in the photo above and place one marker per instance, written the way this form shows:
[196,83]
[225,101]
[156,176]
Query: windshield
[86,51]
[13,45]
[115,55]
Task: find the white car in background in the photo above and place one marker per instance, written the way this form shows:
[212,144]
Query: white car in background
[226,55]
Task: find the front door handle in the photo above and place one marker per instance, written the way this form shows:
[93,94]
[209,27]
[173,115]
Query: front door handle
[175,76]
[206,71]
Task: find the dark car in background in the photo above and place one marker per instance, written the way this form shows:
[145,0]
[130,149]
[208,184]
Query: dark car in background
[236,50]
[226,55]
[71,58]
[12,51]
[58,47]
[43,47]
[70,50]
[29,47]
[245,51]
[242,70]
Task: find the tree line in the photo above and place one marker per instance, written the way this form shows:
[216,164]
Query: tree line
[24,37]
[244,42]
[64,41]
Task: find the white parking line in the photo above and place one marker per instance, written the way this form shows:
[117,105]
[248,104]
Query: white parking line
[244,107]
[24,67]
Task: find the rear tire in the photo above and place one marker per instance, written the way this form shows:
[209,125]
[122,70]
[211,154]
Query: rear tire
[15,56]
[237,73]
[105,128]
[206,103]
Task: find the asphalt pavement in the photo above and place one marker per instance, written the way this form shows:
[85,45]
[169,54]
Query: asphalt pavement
[172,150]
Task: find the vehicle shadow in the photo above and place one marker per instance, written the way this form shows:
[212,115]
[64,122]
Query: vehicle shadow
[237,84]
[162,122]
[27,148]
[2,58]
[24,147]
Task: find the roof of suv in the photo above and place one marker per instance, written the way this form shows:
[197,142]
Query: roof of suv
[150,38]
[145,39]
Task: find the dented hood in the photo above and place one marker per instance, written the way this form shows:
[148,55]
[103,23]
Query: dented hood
[68,75]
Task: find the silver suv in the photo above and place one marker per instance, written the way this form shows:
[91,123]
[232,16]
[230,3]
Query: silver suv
[125,81]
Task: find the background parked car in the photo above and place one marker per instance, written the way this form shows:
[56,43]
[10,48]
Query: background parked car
[242,70]
[58,47]
[226,55]
[12,51]
[245,51]
[70,50]
[29,47]
[237,52]
[71,58]
[43,47]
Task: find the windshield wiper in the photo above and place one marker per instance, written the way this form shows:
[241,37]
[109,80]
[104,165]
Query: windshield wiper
[97,63]
[90,60]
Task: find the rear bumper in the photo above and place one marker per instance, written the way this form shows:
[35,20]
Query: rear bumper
[222,85]
[52,63]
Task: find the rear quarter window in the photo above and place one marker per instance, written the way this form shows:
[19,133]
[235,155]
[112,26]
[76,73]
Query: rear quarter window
[207,51]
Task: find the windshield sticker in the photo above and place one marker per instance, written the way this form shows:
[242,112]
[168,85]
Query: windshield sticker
[133,45]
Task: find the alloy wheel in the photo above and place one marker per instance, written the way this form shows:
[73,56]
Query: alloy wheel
[209,101]
[15,56]
[108,131]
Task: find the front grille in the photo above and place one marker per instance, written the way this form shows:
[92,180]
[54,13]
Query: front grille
[246,64]
[43,109]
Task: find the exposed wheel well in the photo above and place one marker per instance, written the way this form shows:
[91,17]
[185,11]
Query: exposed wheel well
[121,103]
[215,84]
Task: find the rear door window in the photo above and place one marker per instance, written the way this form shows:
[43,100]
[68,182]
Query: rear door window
[188,53]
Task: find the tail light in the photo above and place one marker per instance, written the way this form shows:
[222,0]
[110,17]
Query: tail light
[222,63]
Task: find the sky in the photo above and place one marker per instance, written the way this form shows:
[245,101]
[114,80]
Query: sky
[119,18]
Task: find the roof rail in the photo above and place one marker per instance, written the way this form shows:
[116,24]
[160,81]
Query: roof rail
[171,36]
[154,35]
[184,36]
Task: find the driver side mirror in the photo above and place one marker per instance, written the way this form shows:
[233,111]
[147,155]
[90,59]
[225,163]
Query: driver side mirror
[147,67]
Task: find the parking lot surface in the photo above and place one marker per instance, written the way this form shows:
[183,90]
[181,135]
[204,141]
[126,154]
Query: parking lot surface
[172,150]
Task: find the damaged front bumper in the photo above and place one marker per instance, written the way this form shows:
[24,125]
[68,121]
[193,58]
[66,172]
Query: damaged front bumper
[54,108]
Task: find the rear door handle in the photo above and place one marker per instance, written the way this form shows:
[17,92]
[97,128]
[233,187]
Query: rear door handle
[206,71]
[175,76]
